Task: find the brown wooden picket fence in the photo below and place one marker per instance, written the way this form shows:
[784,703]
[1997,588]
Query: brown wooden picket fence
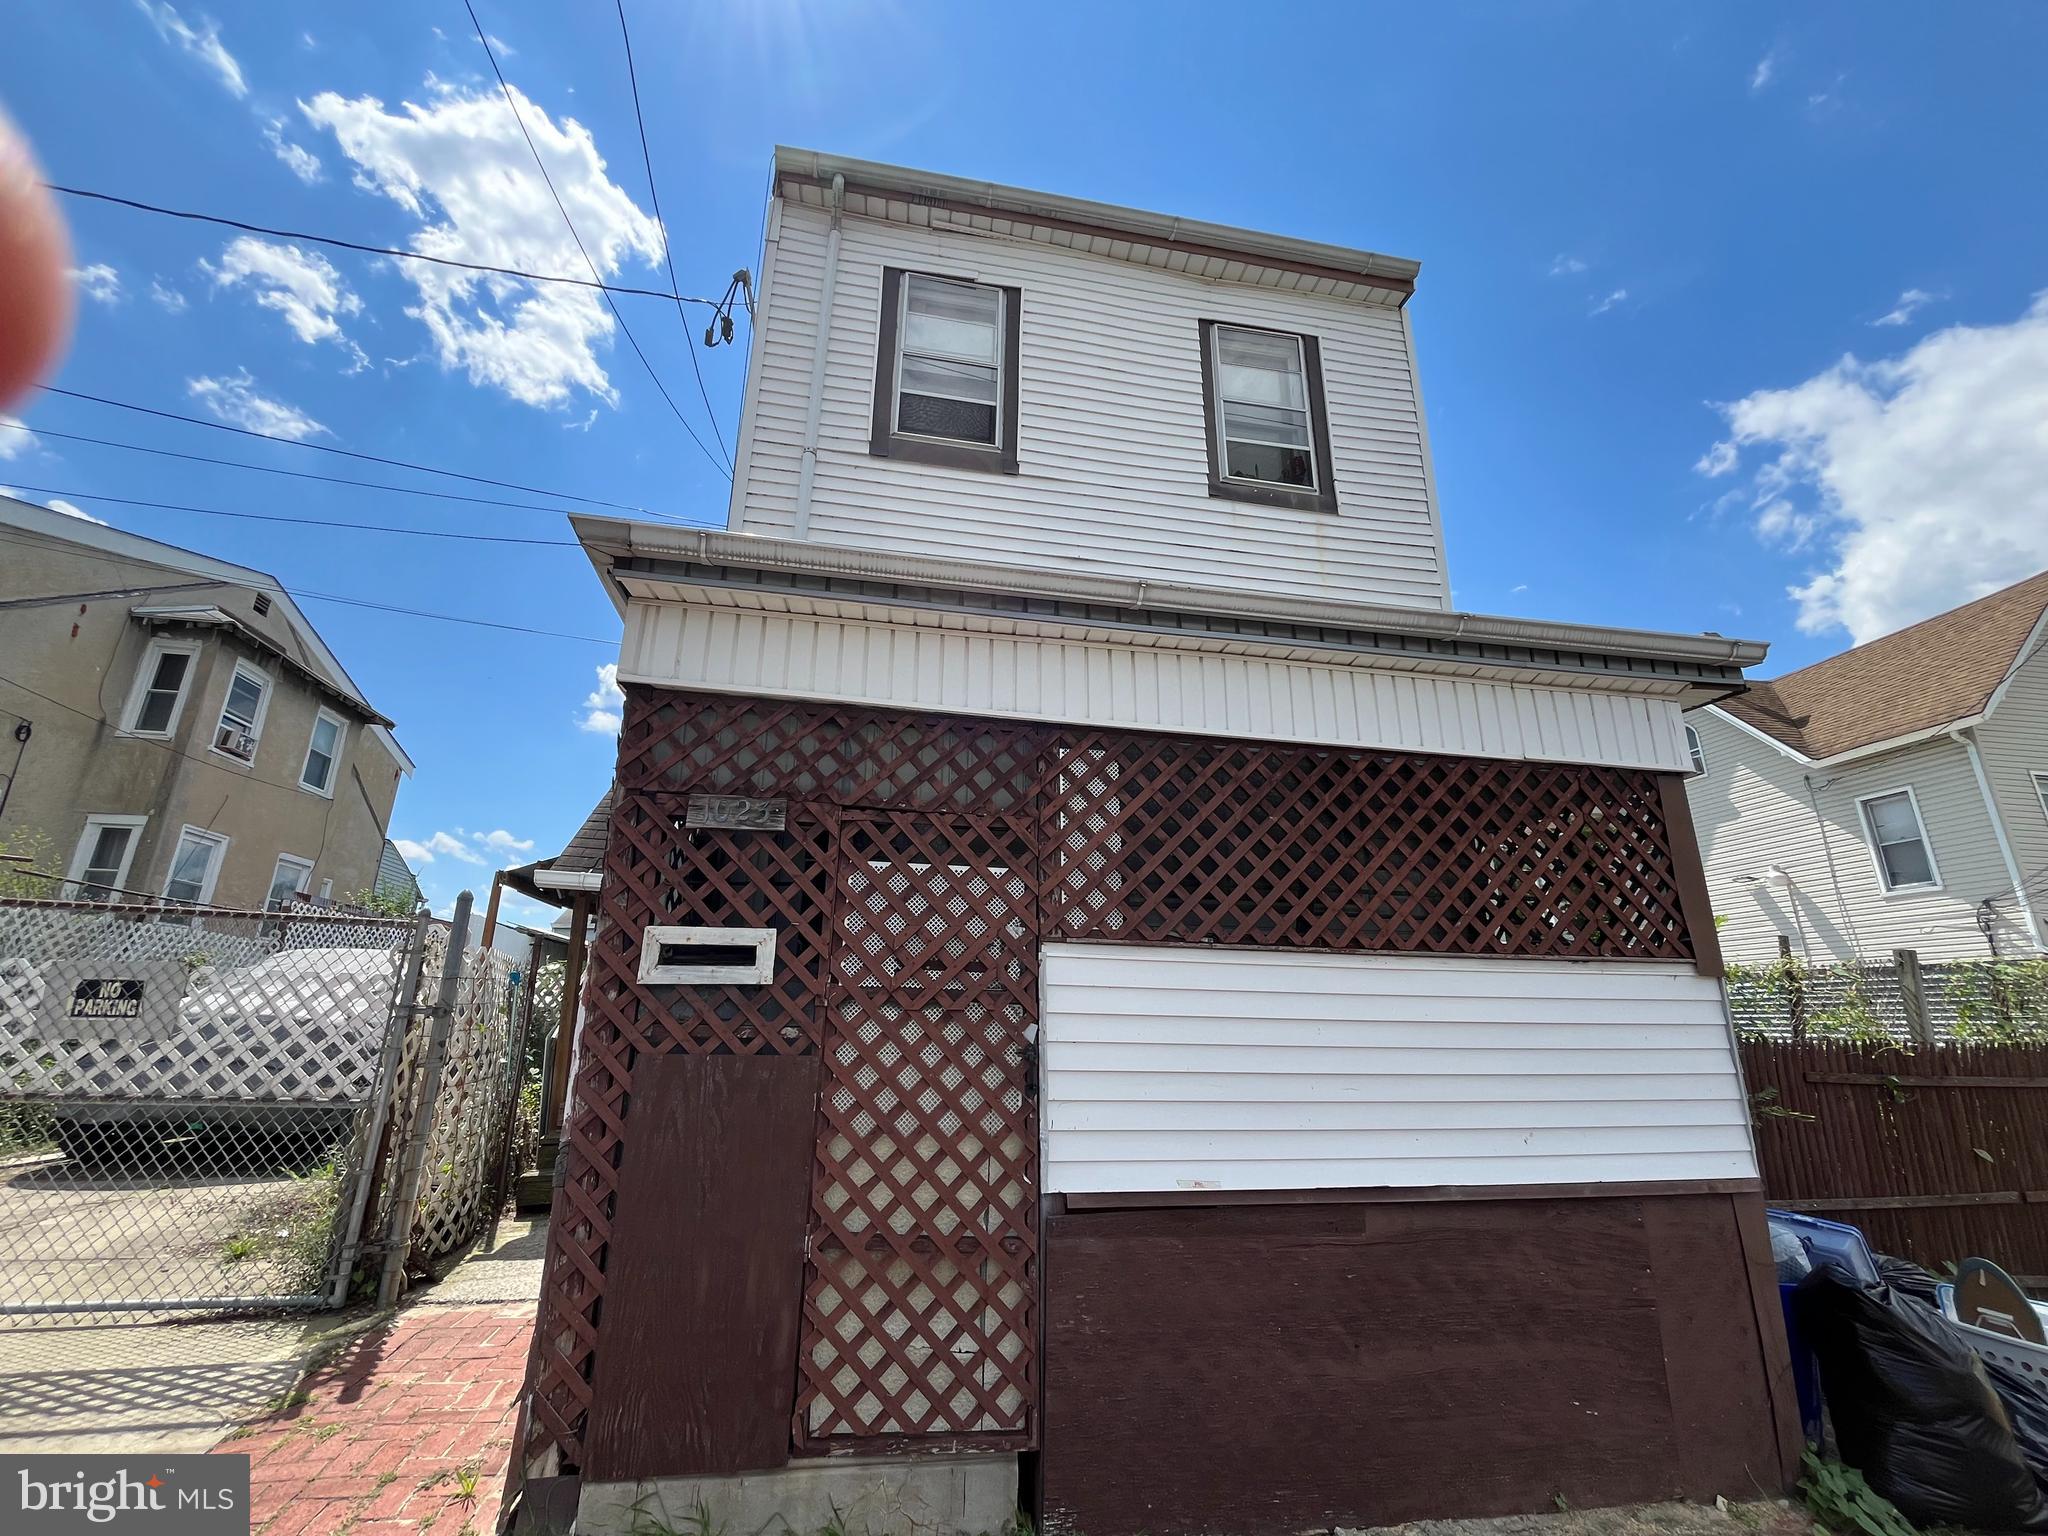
[1937,1152]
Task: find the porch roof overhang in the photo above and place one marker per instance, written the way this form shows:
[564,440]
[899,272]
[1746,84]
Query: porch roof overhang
[657,563]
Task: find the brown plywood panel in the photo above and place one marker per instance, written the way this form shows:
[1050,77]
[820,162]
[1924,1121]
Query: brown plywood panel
[703,1290]
[1279,1368]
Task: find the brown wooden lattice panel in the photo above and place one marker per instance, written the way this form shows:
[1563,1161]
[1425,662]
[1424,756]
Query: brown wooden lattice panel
[920,1308]
[841,754]
[1156,839]
[657,873]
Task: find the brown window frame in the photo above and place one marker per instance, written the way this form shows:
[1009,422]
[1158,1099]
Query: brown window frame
[885,442]
[1324,497]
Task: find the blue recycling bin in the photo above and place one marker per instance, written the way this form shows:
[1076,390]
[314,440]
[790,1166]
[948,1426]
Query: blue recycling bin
[1800,1244]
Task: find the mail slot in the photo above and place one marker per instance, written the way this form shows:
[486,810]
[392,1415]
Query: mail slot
[707,956]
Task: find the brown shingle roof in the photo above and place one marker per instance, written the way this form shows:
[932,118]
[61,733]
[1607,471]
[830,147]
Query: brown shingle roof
[1941,669]
[583,854]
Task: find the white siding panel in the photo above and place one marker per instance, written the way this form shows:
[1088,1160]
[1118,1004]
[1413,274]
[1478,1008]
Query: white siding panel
[1169,1068]
[1081,682]
[1112,447]
[2014,742]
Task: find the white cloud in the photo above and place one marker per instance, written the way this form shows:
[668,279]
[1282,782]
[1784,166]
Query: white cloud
[201,42]
[604,706]
[412,852]
[436,846]
[460,166]
[499,46]
[298,159]
[236,400]
[1921,481]
[302,286]
[1566,266]
[72,509]
[98,282]
[502,841]
[1718,460]
[1766,69]
[1522,586]
[1619,295]
[15,438]
[1910,303]
[169,299]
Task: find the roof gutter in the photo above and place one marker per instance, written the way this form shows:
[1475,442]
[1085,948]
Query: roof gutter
[616,537]
[821,343]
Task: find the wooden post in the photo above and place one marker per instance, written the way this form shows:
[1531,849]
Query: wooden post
[1795,986]
[572,986]
[491,909]
[1913,995]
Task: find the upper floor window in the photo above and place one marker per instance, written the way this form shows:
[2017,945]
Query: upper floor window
[99,865]
[323,754]
[1263,399]
[1698,752]
[241,717]
[1898,840]
[946,372]
[159,695]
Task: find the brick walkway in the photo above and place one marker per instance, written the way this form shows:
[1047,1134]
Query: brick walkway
[382,1438]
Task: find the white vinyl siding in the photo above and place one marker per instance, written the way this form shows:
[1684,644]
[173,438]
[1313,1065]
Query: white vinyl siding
[1112,442]
[2014,743]
[681,645]
[1186,1069]
[1753,812]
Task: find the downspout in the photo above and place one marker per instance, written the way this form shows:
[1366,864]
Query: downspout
[2012,868]
[1827,848]
[814,408]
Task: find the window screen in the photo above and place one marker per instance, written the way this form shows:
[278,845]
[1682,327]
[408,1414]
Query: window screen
[949,367]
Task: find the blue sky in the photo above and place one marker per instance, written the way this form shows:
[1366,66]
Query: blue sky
[1726,318]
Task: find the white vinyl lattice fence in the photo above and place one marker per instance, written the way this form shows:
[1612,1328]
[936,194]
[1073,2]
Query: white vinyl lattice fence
[1896,999]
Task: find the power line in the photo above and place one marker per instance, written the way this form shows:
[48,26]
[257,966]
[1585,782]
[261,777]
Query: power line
[304,594]
[307,522]
[667,245]
[304,474]
[347,453]
[518,117]
[382,250]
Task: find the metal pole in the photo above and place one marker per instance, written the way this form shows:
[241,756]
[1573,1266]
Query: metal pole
[403,1001]
[399,1228]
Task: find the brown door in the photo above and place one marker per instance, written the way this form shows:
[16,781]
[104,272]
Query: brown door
[921,1291]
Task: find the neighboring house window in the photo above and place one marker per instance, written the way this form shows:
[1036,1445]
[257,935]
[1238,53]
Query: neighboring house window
[289,880]
[99,866]
[1262,396]
[241,717]
[195,867]
[946,372]
[323,753]
[1898,838]
[159,695]
[2041,790]
[1699,753]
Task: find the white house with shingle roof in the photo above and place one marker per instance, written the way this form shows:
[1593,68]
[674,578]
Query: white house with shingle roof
[1894,796]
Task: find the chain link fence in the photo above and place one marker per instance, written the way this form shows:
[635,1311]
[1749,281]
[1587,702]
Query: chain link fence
[206,1108]
[1900,998]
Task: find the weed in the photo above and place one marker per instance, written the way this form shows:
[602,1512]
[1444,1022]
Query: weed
[386,1479]
[1838,1498]
[465,1479]
[326,1431]
[1563,1504]
[240,1246]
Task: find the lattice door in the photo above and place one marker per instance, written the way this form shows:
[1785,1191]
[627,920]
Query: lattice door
[920,1306]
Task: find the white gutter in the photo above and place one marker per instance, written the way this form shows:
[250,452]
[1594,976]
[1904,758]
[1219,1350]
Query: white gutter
[2012,868]
[571,880]
[616,537]
[814,408]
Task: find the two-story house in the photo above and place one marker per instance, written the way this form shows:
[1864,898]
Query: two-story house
[1107,992]
[177,729]
[1892,797]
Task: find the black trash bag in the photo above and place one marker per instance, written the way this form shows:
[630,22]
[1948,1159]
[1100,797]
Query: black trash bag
[1913,1411]
[2026,1405]
[1904,1275]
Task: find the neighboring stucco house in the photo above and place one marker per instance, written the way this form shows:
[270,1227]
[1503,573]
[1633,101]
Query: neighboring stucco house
[1892,797]
[175,726]
[1107,992]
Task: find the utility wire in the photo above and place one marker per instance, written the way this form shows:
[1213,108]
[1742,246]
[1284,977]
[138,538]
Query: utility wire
[512,105]
[347,453]
[306,522]
[383,250]
[304,594]
[305,474]
[668,249]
